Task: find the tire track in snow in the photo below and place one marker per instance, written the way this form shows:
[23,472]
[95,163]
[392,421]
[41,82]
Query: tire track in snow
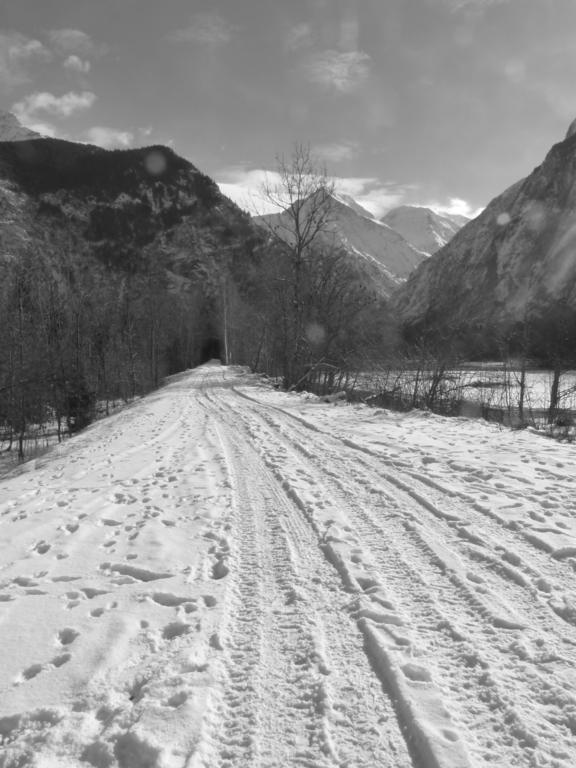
[533,569]
[323,701]
[500,703]
[401,473]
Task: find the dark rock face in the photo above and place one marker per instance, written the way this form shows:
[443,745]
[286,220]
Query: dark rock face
[118,202]
[122,267]
[512,263]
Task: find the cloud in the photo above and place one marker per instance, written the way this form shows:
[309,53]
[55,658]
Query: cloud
[455,207]
[372,193]
[337,152]
[17,53]
[244,187]
[298,37]
[205,28]
[336,71]
[75,41]
[59,106]
[47,130]
[75,64]
[470,6]
[109,138]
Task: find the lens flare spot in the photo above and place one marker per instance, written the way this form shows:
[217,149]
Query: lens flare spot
[315,333]
[535,215]
[503,219]
[155,163]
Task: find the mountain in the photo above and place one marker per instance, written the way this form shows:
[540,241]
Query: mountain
[424,228]
[348,200]
[12,130]
[118,202]
[382,256]
[117,268]
[142,233]
[514,263]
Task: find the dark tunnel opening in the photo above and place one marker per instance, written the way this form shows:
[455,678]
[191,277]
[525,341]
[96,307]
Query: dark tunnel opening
[210,350]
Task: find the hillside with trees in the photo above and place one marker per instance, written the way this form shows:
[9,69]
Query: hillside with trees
[122,267]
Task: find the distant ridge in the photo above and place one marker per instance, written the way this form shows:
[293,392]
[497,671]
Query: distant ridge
[11,129]
[424,228]
[383,257]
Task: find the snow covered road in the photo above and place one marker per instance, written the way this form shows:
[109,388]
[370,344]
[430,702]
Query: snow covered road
[225,575]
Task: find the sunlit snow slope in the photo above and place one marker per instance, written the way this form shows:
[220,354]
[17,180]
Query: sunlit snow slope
[425,229]
[224,575]
[379,253]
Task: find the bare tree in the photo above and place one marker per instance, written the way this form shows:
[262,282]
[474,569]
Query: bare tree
[302,191]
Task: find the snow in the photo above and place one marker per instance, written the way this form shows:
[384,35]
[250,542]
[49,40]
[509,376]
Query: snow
[386,255]
[226,575]
[495,386]
[425,229]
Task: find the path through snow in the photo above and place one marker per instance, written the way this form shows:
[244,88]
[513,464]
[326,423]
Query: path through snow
[222,575]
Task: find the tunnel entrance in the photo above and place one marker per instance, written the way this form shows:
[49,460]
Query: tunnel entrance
[210,350]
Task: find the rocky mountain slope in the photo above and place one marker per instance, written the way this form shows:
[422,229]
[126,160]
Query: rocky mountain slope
[425,229]
[514,262]
[12,130]
[138,244]
[118,202]
[382,256]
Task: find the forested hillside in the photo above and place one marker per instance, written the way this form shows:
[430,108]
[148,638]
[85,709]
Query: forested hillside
[113,269]
[120,267]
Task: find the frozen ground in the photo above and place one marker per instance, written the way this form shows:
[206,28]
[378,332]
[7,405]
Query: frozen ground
[226,576]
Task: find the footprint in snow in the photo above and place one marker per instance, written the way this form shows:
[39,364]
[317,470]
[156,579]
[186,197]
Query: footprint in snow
[170,600]
[175,629]
[98,612]
[134,572]
[32,671]
[177,699]
[58,579]
[92,592]
[72,599]
[25,581]
[220,570]
[71,527]
[67,635]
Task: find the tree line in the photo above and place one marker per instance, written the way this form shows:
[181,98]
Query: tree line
[78,334]
[74,338]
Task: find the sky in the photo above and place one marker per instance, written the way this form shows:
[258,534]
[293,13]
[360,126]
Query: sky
[428,102]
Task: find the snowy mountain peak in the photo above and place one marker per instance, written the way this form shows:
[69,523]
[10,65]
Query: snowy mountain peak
[426,229]
[348,200]
[11,129]
[382,256]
